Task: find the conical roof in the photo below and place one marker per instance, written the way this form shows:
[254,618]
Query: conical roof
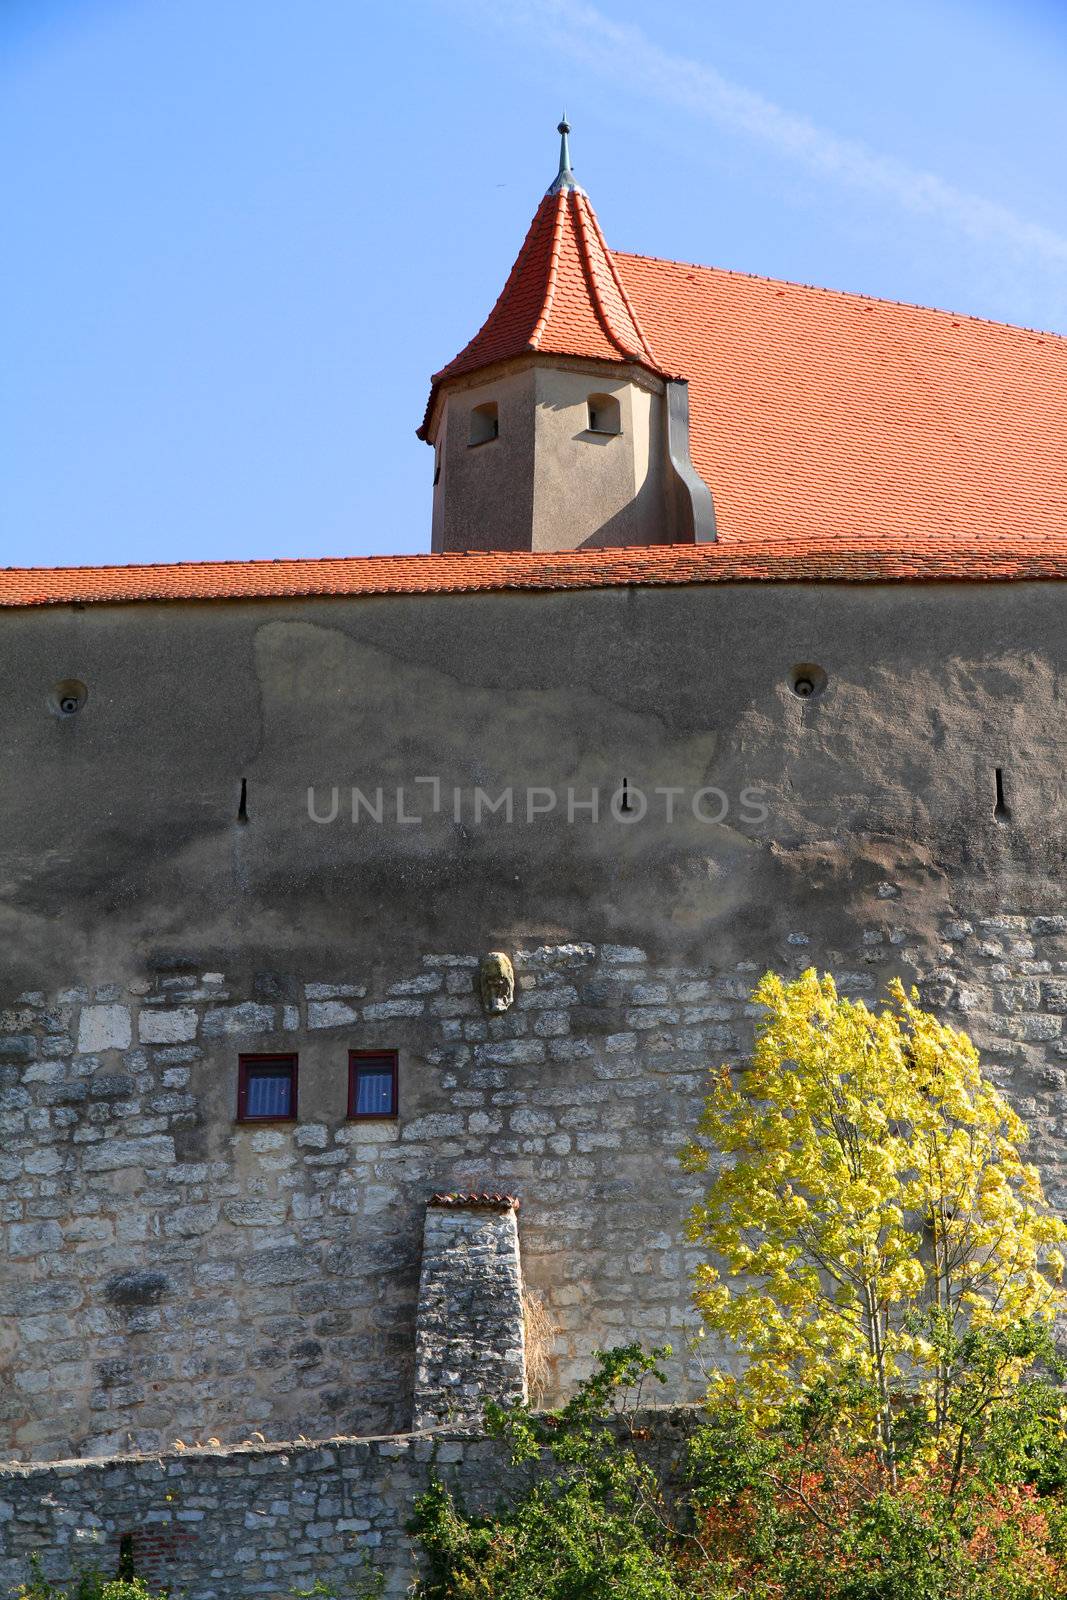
[564,295]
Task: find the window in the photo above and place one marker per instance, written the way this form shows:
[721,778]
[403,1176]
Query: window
[604,414]
[266,1089]
[372,1084]
[485,424]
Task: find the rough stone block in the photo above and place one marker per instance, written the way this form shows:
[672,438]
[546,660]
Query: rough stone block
[45,1072]
[438,1125]
[653,1017]
[111,1086]
[133,1289]
[649,994]
[510,1052]
[34,1238]
[18,1047]
[527,1119]
[552,1024]
[281,1266]
[247,1018]
[260,1212]
[112,1154]
[167,1027]
[570,1049]
[104,1027]
[44,1162]
[424,983]
[331,1014]
[386,1010]
[188,1222]
[311,1136]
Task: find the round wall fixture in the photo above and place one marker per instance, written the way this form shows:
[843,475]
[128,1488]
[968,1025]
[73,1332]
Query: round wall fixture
[807,680]
[68,697]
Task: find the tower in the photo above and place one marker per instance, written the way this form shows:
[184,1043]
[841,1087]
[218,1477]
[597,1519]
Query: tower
[556,427]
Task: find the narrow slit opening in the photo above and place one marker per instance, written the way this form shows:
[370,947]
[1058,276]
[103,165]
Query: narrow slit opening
[242,804]
[626,806]
[1001,810]
[126,1570]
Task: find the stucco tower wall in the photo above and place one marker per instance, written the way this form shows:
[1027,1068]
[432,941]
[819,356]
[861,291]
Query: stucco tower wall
[548,482]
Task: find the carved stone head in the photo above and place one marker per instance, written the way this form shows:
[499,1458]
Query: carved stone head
[496,980]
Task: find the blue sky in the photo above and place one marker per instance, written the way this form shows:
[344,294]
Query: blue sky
[240,235]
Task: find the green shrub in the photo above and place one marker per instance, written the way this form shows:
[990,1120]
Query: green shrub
[88,1585]
[803,1509]
[594,1527]
[92,1586]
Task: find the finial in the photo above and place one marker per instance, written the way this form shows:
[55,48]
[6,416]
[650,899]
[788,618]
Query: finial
[565,178]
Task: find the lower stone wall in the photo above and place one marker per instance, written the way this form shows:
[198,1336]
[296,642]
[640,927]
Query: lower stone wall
[259,1520]
[173,1274]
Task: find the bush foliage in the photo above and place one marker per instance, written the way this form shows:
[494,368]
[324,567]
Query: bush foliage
[86,1586]
[794,1510]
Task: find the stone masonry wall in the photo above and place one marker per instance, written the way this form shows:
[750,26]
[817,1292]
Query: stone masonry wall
[470,1342]
[171,1274]
[261,1521]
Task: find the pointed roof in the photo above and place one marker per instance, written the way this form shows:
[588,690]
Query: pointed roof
[564,295]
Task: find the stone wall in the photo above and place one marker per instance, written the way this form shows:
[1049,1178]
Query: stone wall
[173,1274]
[261,1520]
[470,1339]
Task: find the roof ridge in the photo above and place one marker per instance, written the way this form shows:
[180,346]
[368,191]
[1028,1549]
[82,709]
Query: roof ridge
[259,561]
[628,303]
[560,198]
[591,278]
[844,294]
[587,223]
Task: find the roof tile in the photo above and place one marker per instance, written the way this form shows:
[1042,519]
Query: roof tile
[933,555]
[828,415]
[563,296]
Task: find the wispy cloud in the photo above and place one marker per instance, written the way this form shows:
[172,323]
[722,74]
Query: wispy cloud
[628,56]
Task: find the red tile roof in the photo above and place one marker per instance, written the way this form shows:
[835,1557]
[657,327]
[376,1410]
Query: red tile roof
[822,415]
[844,439]
[563,296]
[813,413]
[745,560]
[476,1202]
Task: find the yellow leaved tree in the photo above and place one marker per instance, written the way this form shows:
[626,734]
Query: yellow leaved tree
[868,1209]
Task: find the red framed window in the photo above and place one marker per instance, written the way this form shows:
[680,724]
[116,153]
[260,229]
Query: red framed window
[372,1085]
[266,1089]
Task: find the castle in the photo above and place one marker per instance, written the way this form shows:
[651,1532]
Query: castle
[368,925]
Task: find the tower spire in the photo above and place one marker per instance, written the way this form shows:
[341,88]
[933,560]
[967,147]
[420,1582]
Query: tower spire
[565,178]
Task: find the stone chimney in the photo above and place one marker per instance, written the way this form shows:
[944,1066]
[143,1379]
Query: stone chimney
[470,1343]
